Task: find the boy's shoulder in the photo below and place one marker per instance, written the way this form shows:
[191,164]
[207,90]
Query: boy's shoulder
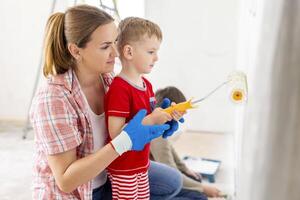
[118,85]
[118,82]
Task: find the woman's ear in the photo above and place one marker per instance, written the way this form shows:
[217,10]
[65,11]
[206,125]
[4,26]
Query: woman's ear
[128,52]
[74,51]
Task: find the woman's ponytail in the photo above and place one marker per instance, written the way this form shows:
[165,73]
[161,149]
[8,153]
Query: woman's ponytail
[56,54]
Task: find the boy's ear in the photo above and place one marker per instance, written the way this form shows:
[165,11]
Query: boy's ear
[74,51]
[128,52]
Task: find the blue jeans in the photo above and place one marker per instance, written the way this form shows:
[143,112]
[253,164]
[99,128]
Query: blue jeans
[165,183]
[103,192]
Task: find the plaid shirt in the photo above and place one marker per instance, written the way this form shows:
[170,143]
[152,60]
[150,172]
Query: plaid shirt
[60,121]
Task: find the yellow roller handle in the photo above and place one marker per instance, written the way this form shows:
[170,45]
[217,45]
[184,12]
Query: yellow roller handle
[181,107]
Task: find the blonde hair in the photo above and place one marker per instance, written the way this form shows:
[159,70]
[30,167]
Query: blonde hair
[76,26]
[133,29]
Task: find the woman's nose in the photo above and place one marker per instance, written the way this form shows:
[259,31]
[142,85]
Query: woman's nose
[115,52]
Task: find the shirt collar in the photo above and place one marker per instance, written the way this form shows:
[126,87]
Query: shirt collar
[70,82]
[65,79]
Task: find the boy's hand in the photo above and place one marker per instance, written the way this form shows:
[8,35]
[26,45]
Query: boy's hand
[177,115]
[193,175]
[211,191]
[173,124]
[158,116]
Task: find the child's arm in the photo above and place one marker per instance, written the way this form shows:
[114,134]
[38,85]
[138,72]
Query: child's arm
[158,116]
[115,125]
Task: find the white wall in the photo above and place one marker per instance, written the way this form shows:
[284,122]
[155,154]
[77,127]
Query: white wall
[250,17]
[22,29]
[197,53]
[271,123]
[22,26]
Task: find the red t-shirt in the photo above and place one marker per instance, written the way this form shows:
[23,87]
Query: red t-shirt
[124,100]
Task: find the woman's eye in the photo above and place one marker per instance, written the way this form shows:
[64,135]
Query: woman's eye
[105,47]
[151,52]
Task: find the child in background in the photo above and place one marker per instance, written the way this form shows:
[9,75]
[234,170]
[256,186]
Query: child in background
[163,151]
[138,43]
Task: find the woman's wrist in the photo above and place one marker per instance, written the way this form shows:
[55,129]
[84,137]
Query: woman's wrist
[122,143]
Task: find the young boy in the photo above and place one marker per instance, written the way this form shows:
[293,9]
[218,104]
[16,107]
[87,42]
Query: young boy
[138,43]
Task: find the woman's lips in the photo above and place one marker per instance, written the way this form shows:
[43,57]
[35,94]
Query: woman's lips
[111,62]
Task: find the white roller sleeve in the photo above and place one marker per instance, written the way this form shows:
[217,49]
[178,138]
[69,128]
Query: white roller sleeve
[238,87]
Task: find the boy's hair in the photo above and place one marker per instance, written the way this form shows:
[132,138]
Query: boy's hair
[172,93]
[133,29]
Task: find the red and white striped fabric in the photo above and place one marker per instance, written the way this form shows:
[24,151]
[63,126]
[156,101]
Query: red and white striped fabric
[133,187]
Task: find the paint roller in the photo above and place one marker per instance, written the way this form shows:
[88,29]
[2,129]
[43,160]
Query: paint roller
[238,91]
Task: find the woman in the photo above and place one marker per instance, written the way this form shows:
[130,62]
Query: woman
[67,113]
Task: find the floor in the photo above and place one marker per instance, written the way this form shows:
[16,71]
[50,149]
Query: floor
[213,146]
[16,159]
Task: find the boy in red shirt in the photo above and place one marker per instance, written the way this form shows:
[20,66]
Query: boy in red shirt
[138,43]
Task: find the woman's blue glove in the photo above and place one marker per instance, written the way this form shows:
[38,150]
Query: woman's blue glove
[140,134]
[173,124]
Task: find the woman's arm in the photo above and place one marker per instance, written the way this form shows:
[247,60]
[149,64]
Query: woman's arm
[70,172]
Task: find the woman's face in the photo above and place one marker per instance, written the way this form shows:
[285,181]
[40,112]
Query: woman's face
[98,56]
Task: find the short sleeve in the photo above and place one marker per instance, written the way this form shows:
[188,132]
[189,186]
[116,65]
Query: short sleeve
[54,124]
[118,101]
